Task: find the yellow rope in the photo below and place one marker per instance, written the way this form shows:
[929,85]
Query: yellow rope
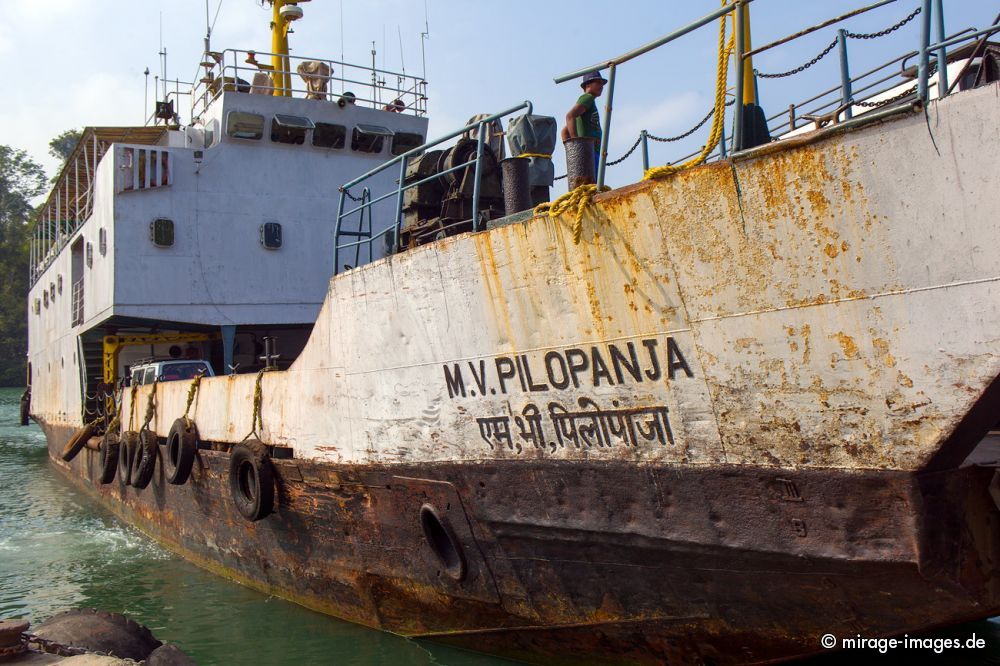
[718,119]
[131,406]
[576,199]
[257,418]
[542,155]
[150,405]
[191,393]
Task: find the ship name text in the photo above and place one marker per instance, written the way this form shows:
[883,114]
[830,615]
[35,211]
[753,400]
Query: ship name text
[617,363]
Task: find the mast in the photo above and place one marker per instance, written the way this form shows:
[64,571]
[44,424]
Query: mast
[282,14]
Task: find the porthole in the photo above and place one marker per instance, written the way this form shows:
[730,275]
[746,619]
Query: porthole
[59,283]
[270,235]
[45,298]
[102,241]
[161,232]
[52,291]
[90,255]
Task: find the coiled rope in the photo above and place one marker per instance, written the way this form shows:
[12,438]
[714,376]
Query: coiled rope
[718,119]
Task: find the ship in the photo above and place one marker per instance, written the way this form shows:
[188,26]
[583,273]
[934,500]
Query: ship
[724,414]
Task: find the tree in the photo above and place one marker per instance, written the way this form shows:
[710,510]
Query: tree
[21,180]
[62,146]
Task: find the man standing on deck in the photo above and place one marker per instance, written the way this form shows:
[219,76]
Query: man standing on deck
[583,119]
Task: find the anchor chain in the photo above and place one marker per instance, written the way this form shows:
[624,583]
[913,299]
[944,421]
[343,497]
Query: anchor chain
[883,102]
[800,68]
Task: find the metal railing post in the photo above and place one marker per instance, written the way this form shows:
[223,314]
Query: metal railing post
[336,234]
[399,207]
[722,136]
[942,55]
[925,40]
[606,130]
[845,72]
[644,135]
[738,126]
[477,181]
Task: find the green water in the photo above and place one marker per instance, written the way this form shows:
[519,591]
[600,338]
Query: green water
[59,550]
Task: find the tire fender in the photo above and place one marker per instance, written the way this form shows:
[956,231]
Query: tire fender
[180,451]
[77,442]
[128,444]
[144,460]
[110,451]
[251,479]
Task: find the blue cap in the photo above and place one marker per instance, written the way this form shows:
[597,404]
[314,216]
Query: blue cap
[592,76]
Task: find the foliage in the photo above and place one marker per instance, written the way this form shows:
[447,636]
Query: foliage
[21,180]
[62,146]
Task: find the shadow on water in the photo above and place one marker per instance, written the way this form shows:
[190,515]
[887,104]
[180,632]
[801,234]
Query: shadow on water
[60,550]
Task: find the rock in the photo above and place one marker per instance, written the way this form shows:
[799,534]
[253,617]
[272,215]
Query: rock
[169,655]
[100,631]
[94,660]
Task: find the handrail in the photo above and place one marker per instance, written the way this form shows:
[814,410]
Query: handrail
[479,126]
[877,94]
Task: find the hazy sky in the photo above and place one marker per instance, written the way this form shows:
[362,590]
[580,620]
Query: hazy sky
[72,63]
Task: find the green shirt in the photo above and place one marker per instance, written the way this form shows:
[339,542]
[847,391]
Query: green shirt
[589,124]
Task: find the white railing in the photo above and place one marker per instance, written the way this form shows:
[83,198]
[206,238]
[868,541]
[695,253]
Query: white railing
[142,168]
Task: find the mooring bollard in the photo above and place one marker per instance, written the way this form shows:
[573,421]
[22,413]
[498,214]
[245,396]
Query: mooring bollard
[516,184]
[580,161]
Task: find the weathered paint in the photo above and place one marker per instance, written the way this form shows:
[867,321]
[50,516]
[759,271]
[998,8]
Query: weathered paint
[600,561]
[812,294]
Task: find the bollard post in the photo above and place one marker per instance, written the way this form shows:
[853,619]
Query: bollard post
[738,126]
[645,151]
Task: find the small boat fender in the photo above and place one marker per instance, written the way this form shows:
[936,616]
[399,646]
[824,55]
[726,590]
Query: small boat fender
[181,449]
[251,479]
[77,441]
[144,460]
[110,451]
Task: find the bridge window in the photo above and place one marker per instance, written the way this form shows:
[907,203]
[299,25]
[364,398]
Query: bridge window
[369,138]
[404,141]
[242,125]
[328,135]
[290,129]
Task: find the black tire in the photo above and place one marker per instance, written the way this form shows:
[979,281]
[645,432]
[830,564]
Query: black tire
[110,450]
[26,407]
[77,442]
[251,479]
[128,444]
[181,449]
[144,460]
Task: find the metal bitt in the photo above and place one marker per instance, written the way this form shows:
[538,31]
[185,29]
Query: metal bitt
[645,150]
[942,55]
[845,73]
[271,354]
[579,161]
[606,130]
[516,185]
[923,62]
[478,178]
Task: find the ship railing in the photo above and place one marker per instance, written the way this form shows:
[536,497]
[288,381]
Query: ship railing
[879,93]
[389,234]
[233,70]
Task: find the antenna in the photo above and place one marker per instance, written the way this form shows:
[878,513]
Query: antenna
[145,99]
[425,35]
[341,46]
[402,64]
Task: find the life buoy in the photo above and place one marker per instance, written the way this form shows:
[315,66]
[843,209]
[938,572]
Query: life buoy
[77,442]
[144,460]
[129,444]
[251,479]
[110,451]
[26,407]
[179,454]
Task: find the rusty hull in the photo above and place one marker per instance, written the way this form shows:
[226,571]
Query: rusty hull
[604,561]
